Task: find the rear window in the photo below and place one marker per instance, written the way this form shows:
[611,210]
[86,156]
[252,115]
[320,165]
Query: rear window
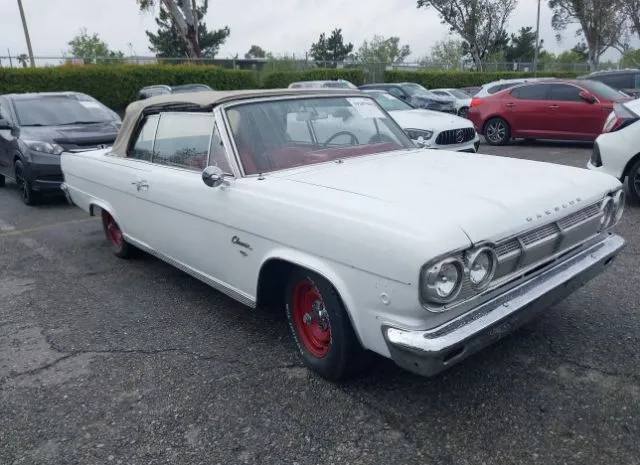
[602,90]
[59,110]
[499,87]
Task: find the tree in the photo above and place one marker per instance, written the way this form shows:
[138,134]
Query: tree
[602,23]
[91,47]
[383,51]
[522,47]
[181,29]
[255,51]
[480,23]
[632,11]
[631,59]
[22,59]
[332,50]
[448,54]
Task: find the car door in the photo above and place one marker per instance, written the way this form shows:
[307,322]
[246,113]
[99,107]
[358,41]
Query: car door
[525,108]
[184,218]
[6,139]
[570,115]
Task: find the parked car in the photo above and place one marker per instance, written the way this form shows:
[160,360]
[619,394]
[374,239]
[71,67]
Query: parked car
[494,87]
[617,150]
[551,109]
[36,127]
[416,95]
[470,91]
[162,89]
[625,80]
[462,100]
[453,252]
[326,84]
[430,129]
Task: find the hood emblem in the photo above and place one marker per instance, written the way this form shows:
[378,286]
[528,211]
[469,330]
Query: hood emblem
[563,206]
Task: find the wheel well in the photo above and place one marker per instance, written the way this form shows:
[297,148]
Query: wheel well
[272,281]
[629,164]
[484,125]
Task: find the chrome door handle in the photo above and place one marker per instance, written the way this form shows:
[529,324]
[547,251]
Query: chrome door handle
[554,107]
[140,185]
[510,104]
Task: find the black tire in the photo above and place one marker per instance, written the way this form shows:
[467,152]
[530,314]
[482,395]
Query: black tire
[462,112]
[633,182]
[340,357]
[497,131]
[2,181]
[119,246]
[28,195]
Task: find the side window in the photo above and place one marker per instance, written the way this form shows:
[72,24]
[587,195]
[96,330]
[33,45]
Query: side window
[218,153]
[4,110]
[564,92]
[396,92]
[183,140]
[143,145]
[617,81]
[531,92]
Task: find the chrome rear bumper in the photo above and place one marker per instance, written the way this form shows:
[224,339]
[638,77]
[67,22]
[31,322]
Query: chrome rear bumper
[429,352]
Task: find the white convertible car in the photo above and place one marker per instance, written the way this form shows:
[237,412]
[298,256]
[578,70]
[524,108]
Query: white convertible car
[368,243]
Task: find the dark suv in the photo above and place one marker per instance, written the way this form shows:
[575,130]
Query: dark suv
[416,96]
[626,80]
[36,128]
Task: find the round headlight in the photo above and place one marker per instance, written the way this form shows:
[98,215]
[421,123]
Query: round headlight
[482,266]
[619,200]
[607,208]
[443,280]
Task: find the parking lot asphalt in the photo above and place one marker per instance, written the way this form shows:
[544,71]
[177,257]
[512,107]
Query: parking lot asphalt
[104,361]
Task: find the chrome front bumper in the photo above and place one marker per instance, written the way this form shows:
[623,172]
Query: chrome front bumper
[64,188]
[429,352]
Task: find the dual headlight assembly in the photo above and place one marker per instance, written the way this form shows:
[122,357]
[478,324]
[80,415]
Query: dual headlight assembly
[442,280]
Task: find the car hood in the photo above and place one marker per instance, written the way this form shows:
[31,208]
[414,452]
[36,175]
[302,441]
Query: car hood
[79,134]
[488,197]
[427,119]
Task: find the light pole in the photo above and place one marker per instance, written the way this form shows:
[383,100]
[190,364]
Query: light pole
[535,53]
[26,34]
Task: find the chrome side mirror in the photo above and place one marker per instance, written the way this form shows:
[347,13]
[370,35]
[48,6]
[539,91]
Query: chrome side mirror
[213,176]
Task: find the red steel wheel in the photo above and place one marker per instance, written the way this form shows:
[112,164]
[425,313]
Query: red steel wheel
[311,318]
[111,229]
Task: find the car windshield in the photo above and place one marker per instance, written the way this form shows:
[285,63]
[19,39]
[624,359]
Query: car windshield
[280,134]
[58,110]
[602,90]
[390,103]
[413,89]
[458,93]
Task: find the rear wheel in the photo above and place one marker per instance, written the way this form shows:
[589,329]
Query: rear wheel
[497,131]
[2,181]
[321,327]
[29,197]
[633,182]
[462,112]
[118,244]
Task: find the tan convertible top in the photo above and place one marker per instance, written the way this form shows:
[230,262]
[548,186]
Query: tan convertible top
[203,99]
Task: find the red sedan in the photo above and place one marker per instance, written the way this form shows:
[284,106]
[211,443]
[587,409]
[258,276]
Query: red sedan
[549,109]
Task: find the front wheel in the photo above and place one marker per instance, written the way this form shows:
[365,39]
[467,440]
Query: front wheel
[29,197]
[633,183]
[321,327]
[497,131]
[2,181]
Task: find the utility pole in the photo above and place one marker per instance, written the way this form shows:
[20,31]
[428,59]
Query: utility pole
[535,53]
[26,34]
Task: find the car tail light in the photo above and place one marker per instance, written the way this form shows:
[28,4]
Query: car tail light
[475,101]
[619,118]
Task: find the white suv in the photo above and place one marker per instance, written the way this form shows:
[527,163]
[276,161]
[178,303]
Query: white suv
[496,86]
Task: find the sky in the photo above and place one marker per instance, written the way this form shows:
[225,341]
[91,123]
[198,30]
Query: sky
[282,27]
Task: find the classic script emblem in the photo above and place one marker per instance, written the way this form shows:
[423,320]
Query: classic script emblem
[236,240]
[459,136]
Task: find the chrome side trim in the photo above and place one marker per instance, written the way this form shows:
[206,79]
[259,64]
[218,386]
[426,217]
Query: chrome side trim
[219,286]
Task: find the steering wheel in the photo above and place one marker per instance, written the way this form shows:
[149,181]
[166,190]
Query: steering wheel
[380,138]
[352,137]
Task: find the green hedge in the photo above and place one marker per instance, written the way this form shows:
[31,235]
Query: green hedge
[436,79]
[116,86]
[281,79]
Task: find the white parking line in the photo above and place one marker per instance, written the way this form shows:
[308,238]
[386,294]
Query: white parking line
[4,226]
